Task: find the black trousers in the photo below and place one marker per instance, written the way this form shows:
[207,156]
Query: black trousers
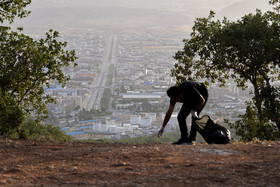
[183,114]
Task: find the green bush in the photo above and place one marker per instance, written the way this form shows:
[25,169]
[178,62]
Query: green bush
[167,137]
[32,130]
[250,127]
[11,116]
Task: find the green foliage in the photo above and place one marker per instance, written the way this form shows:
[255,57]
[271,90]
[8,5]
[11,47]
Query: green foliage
[271,103]
[166,137]
[32,65]
[91,114]
[106,100]
[276,4]
[87,115]
[9,9]
[10,116]
[27,66]
[109,79]
[246,51]
[34,130]
[249,127]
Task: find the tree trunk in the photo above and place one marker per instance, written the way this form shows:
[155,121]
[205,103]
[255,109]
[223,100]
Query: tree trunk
[258,102]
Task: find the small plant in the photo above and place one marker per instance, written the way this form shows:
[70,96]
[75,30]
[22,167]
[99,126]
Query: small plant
[33,129]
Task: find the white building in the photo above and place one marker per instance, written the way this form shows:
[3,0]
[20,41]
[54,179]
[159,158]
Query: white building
[152,116]
[127,128]
[133,127]
[119,130]
[104,128]
[96,127]
[173,119]
[135,119]
[145,122]
[141,95]
[112,128]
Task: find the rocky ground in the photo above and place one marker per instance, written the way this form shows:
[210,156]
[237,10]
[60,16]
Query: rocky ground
[48,163]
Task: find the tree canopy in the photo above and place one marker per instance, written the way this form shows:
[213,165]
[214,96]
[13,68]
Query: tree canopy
[27,67]
[9,9]
[246,51]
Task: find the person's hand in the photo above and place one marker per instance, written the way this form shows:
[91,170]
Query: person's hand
[160,132]
[194,114]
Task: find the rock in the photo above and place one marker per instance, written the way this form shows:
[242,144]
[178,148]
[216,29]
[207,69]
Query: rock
[72,169]
[15,170]
[120,164]
[169,166]
[2,169]
[50,167]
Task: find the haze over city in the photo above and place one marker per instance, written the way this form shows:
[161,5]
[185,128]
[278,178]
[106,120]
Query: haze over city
[125,50]
[93,93]
[126,15]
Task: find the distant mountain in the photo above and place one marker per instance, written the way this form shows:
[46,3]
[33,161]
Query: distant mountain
[239,9]
[104,17]
[131,14]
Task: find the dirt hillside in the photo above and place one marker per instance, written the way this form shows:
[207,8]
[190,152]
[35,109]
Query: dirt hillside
[48,163]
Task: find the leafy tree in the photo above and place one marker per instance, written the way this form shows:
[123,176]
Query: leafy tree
[246,51]
[9,9]
[27,66]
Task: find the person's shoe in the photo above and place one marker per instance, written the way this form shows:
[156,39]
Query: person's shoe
[191,143]
[181,141]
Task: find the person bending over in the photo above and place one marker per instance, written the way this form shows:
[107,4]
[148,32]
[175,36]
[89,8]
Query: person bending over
[194,96]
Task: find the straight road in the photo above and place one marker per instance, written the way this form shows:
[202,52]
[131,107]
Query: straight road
[94,97]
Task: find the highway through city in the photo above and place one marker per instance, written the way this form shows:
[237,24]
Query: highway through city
[94,97]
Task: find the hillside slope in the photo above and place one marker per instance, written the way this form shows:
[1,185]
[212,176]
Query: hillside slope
[47,163]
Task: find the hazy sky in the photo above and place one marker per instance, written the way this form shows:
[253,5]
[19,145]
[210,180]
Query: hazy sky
[132,14]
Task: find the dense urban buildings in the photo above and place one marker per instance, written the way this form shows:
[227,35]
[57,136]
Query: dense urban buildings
[125,51]
[118,89]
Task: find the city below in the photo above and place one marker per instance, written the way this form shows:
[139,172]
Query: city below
[118,89]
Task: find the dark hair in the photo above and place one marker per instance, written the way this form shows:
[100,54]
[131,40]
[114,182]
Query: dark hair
[173,92]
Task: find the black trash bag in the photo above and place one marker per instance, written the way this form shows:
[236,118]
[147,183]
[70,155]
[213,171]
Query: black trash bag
[212,132]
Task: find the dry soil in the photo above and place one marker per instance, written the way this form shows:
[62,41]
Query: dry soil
[49,163]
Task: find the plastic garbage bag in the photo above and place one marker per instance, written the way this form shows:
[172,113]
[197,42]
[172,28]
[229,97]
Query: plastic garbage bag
[212,132]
